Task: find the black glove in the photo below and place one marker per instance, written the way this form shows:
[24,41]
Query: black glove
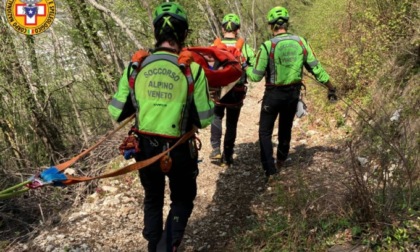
[332,97]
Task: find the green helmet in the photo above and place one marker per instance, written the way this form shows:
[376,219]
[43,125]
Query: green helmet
[172,9]
[231,18]
[277,13]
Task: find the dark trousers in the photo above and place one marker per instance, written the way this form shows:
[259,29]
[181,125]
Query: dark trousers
[282,102]
[183,187]
[232,117]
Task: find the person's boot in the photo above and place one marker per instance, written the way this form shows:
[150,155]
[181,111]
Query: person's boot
[279,164]
[215,154]
[271,175]
[283,163]
[151,247]
[227,159]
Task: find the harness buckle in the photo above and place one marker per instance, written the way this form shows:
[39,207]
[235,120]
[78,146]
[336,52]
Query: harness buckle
[36,182]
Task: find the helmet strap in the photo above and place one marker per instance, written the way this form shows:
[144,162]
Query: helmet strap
[229,26]
[279,24]
[166,22]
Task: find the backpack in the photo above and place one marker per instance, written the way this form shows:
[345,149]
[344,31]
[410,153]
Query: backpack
[237,93]
[131,145]
[135,67]
[274,42]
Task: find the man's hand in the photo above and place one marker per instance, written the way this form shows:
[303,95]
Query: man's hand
[332,97]
[214,94]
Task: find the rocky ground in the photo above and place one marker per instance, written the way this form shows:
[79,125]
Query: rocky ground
[228,200]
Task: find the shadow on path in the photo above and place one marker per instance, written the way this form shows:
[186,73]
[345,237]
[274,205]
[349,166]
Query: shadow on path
[238,188]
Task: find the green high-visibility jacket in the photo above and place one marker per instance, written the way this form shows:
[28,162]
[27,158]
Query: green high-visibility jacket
[290,54]
[167,104]
[121,105]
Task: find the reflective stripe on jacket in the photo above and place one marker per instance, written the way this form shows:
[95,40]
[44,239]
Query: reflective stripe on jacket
[121,106]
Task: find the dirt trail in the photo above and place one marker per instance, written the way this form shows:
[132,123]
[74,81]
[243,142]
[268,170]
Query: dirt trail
[228,199]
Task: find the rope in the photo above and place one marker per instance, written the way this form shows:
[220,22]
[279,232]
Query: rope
[33,182]
[54,176]
[12,191]
[66,164]
[133,167]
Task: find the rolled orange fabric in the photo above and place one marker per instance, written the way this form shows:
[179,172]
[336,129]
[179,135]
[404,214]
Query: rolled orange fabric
[229,69]
[139,56]
[185,58]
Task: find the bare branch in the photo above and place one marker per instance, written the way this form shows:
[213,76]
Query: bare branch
[209,21]
[118,21]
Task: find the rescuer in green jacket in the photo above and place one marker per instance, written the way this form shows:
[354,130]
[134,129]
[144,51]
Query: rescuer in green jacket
[281,60]
[167,103]
[231,103]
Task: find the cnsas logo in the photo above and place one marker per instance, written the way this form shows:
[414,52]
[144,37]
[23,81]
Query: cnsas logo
[30,17]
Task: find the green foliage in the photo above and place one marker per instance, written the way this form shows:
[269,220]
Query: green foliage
[388,127]
[297,224]
[341,121]
[3,244]
[401,236]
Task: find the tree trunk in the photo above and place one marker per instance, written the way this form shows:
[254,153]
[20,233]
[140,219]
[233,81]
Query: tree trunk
[216,22]
[95,64]
[253,25]
[10,139]
[146,6]
[116,58]
[113,70]
[215,27]
[15,74]
[117,20]
[82,127]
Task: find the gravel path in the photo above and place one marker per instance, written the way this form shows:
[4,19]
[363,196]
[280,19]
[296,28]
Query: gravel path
[228,199]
